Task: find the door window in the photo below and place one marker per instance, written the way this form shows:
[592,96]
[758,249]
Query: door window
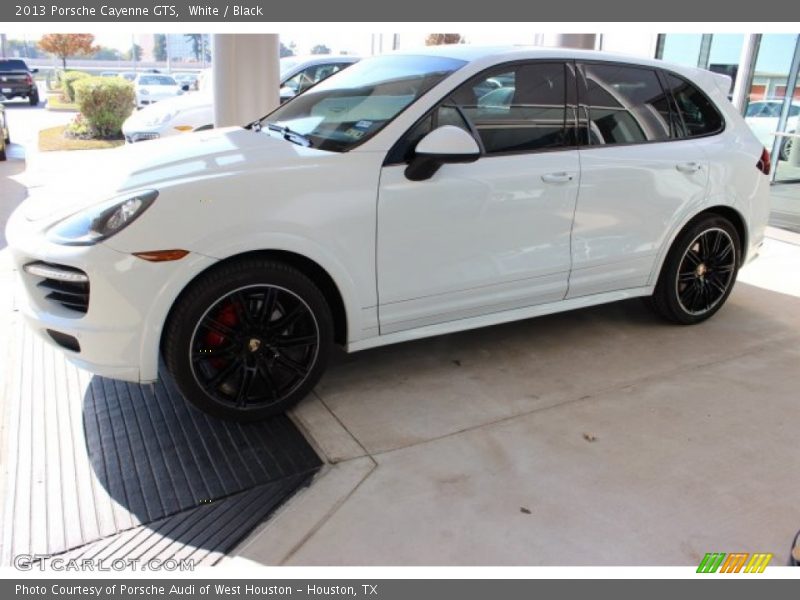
[626,105]
[519,108]
[311,76]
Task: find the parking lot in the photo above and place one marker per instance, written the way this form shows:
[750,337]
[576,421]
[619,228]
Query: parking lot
[600,436]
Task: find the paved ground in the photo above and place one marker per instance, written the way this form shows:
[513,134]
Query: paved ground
[600,436]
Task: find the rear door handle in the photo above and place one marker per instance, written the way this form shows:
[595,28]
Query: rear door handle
[562,177]
[689,167]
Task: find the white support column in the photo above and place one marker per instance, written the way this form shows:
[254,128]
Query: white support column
[744,74]
[584,41]
[245,72]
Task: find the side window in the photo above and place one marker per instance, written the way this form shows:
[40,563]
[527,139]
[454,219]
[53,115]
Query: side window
[627,105]
[517,109]
[305,78]
[445,114]
[698,113]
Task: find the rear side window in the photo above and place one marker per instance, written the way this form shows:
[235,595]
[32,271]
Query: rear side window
[699,115]
[626,104]
[517,108]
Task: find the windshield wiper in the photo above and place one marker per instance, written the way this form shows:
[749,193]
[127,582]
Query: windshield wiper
[288,134]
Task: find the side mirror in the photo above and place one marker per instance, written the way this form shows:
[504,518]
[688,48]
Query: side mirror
[185,87]
[34,70]
[444,145]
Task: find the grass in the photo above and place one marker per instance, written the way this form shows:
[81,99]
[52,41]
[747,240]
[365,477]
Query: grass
[53,139]
[54,102]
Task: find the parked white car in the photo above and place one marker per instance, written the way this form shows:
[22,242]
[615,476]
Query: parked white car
[194,112]
[154,87]
[762,116]
[389,204]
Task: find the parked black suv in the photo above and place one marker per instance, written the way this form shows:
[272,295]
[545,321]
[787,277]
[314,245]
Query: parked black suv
[16,80]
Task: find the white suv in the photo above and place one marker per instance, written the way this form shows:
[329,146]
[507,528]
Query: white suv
[404,197]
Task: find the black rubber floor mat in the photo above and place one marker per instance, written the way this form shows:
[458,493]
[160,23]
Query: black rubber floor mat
[90,457]
[203,535]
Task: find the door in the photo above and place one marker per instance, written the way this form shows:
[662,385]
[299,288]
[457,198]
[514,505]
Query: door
[491,235]
[640,170]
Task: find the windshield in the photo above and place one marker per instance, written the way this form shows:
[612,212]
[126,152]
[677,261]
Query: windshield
[353,105]
[156,80]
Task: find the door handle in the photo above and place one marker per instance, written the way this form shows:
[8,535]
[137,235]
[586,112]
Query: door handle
[562,177]
[689,167]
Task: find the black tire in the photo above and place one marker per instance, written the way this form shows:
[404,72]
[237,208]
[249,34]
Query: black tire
[248,339]
[698,276]
[33,99]
[3,152]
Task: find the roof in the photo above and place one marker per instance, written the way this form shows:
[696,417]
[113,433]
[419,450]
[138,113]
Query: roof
[471,52]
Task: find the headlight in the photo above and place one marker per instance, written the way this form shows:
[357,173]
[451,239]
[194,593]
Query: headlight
[101,221]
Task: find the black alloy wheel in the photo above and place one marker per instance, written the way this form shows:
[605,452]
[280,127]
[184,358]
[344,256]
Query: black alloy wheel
[706,271]
[249,340]
[699,271]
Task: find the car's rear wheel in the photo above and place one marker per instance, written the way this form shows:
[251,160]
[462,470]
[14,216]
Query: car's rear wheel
[786,148]
[249,339]
[699,272]
[33,99]
[2,150]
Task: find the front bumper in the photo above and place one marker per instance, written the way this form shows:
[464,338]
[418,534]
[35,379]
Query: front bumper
[129,300]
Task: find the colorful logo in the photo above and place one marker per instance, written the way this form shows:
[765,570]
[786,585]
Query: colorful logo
[719,562]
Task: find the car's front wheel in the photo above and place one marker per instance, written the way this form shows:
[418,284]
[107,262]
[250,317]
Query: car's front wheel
[699,272]
[249,339]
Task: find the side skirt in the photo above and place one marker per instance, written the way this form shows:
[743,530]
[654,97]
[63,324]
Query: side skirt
[507,316]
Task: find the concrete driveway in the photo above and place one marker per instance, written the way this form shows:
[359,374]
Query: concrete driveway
[601,436]
[598,437]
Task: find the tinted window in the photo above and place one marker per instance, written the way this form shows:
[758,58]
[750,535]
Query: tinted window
[520,108]
[699,115]
[352,106]
[627,105]
[445,114]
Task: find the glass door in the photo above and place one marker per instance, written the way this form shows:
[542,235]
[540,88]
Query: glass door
[786,147]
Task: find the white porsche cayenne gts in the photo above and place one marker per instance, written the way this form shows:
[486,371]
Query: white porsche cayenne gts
[411,195]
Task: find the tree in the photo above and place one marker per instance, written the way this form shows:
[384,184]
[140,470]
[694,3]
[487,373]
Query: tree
[320,49]
[160,46]
[437,39]
[65,45]
[134,54]
[286,51]
[200,46]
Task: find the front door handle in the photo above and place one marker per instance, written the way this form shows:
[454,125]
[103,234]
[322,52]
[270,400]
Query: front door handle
[689,167]
[562,177]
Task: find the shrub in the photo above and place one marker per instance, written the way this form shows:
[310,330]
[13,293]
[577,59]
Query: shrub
[105,103]
[68,81]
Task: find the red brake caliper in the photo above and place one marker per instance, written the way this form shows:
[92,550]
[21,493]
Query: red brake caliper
[226,316]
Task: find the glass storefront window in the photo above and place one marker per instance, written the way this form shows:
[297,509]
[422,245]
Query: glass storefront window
[680,48]
[726,49]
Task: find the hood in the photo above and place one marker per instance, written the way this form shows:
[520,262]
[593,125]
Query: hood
[159,163]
